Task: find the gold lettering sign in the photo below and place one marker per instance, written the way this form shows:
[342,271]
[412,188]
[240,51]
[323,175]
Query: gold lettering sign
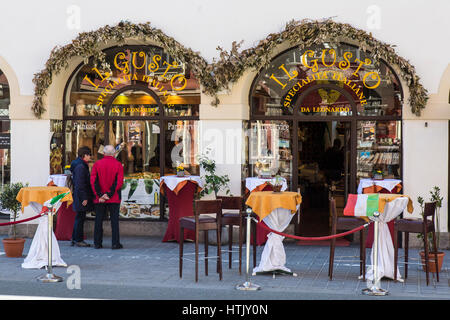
[138,59]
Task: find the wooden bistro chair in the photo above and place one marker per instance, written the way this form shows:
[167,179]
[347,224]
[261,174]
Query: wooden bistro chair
[202,221]
[423,226]
[231,219]
[345,224]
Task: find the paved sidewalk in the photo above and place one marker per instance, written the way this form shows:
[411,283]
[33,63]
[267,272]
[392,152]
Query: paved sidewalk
[148,269]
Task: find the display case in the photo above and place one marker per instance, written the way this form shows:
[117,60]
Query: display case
[270,144]
[378,149]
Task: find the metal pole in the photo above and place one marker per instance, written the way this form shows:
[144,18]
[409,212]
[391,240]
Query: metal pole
[247,285]
[375,289]
[49,276]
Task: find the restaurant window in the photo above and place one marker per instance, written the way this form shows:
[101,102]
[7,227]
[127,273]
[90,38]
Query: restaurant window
[342,109]
[5,131]
[146,104]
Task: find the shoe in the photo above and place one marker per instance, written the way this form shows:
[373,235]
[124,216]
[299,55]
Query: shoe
[117,246]
[72,243]
[98,246]
[82,244]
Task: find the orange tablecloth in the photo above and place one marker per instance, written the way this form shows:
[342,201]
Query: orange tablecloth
[41,194]
[377,189]
[264,202]
[180,185]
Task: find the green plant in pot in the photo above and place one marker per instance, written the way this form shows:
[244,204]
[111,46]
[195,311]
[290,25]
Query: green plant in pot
[213,182]
[435,196]
[13,246]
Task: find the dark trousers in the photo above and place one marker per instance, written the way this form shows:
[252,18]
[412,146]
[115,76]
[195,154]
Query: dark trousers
[78,227]
[100,211]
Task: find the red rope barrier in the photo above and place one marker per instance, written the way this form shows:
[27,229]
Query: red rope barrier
[337,235]
[20,221]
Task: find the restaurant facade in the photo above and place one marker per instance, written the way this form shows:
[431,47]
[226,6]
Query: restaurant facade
[276,108]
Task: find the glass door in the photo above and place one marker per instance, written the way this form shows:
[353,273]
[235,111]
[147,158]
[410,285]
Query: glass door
[323,171]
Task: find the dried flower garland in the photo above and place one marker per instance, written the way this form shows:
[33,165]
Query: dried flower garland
[86,45]
[307,33]
[231,65]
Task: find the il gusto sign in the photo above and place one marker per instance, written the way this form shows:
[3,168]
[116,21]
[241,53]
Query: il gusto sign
[329,71]
[122,62]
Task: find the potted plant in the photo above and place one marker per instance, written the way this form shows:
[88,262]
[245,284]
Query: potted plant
[277,183]
[435,196]
[13,246]
[180,170]
[213,182]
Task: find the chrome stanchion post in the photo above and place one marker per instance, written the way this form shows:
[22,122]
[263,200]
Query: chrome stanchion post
[247,285]
[375,289]
[49,276]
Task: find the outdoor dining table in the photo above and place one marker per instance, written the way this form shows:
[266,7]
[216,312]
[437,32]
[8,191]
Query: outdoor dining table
[276,209]
[180,192]
[255,184]
[389,206]
[35,197]
[379,186]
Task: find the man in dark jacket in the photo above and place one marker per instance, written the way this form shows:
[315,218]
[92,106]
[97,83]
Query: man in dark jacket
[82,194]
[106,182]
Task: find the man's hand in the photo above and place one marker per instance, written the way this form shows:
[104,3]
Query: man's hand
[84,203]
[103,198]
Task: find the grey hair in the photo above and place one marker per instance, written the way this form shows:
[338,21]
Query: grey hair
[109,150]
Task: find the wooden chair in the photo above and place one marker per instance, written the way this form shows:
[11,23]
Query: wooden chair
[423,226]
[203,222]
[345,224]
[231,219]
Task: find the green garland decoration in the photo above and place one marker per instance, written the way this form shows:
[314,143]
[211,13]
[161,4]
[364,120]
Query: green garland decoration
[307,33]
[231,65]
[86,45]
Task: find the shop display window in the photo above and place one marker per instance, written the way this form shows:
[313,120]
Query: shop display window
[5,132]
[269,145]
[379,149]
[181,143]
[146,104]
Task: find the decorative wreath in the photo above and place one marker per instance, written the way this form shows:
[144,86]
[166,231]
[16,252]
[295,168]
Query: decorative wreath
[230,66]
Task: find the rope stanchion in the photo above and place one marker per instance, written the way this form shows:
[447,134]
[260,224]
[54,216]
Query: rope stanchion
[21,221]
[338,235]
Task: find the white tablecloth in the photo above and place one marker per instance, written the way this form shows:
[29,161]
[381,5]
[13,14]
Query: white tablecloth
[273,256]
[388,184]
[172,181]
[59,179]
[37,256]
[252,182]
[385,245]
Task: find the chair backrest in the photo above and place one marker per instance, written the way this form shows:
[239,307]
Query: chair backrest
[232,203]
[429,210]
[208,207]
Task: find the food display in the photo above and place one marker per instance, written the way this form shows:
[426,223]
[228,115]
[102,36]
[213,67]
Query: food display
[140,196]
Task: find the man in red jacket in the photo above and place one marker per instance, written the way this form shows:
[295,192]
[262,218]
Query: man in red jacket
[106,182]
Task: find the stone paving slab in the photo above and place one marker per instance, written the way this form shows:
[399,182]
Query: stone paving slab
[147,262]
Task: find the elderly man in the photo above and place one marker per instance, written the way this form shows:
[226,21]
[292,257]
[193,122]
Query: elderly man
[106,182]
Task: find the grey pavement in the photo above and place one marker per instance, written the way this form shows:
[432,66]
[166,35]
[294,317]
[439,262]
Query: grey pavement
[147,269]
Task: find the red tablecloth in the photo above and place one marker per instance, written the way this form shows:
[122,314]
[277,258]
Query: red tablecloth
[64,222]
[180,205]
[369,239]
[261,233]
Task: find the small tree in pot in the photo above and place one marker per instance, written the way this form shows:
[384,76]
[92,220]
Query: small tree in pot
[13,246]
[435,196]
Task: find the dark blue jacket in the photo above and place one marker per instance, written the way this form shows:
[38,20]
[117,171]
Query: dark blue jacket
[81,186]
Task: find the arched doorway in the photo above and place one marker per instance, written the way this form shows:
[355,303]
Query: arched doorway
[308,100]
[5,127]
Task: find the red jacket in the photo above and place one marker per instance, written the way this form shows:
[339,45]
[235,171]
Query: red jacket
[107,177]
